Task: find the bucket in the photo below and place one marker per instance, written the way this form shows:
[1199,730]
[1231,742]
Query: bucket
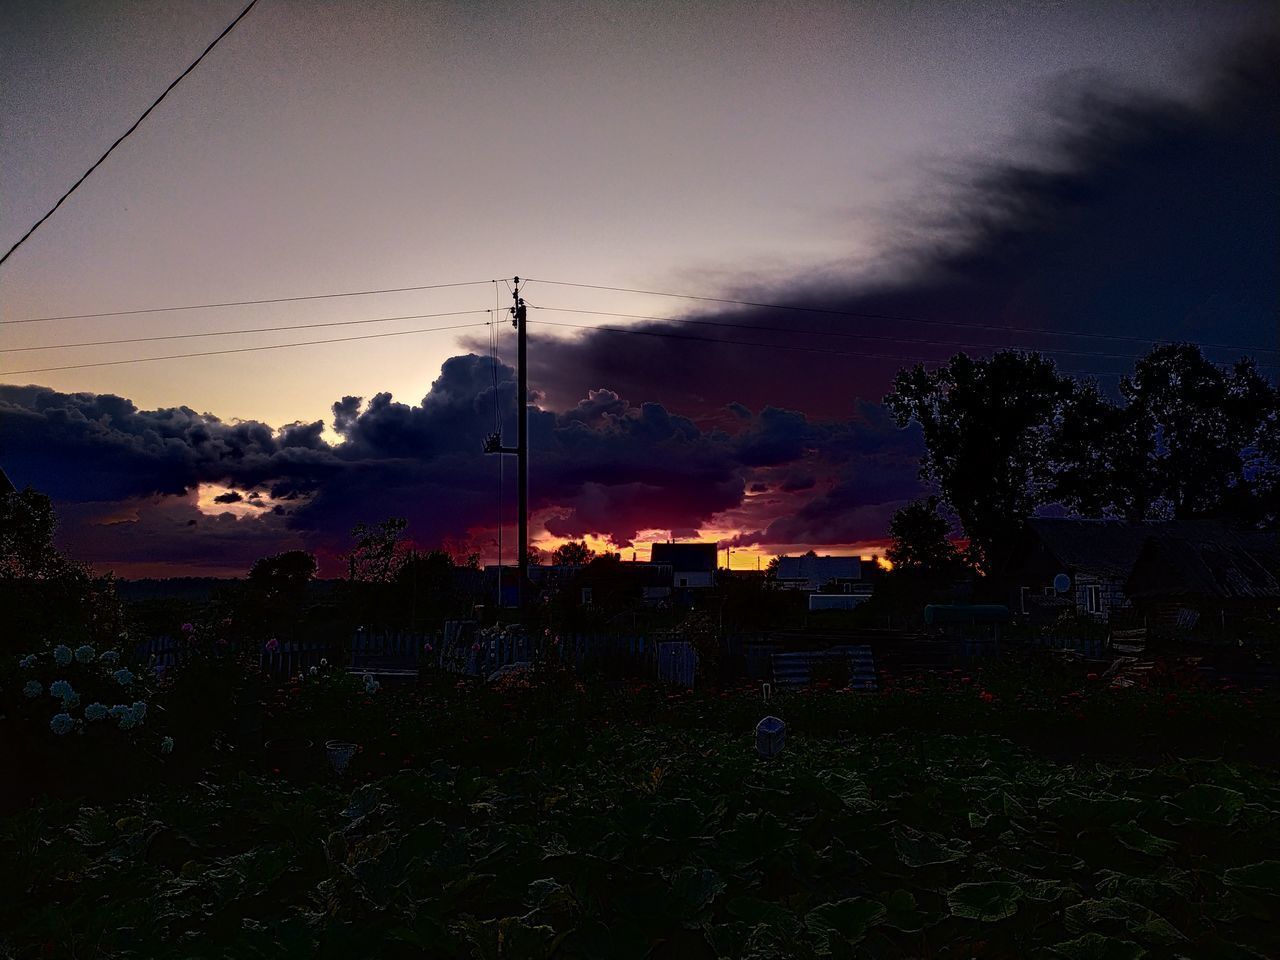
[340,753]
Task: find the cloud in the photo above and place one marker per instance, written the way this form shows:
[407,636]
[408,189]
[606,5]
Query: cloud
[603,466]
[1126,213]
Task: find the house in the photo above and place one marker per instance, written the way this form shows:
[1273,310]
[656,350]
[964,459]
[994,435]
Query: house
[1202,570]
[813,573]
[693,565]
[1144,571]
[621,583]
[1095,556]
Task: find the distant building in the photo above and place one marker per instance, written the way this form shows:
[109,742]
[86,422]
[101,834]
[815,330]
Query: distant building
[814,573]
[693,565]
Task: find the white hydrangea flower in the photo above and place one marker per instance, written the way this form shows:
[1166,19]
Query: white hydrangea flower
[166,745]
[139,710]
[110,657]
[63,655]
[123,676]
[33,688]
[27,662]
[62,724]
[63,690]
[313,671]
[95,711]
[324,662]
[84,654]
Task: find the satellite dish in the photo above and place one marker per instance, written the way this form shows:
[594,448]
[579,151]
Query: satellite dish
[1062,583]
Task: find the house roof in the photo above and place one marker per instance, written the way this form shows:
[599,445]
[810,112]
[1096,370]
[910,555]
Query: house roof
[1206,559]
[1106,548]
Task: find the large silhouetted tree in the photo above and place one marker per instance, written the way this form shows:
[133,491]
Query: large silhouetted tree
[1190,438]
[987,424]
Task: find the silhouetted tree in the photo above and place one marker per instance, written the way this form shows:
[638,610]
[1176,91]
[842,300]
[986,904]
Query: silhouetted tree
[987,425]
[573,553]
[42,592]
[379,550]
[283,578]
[27,552]
[1189,439]
[919,541]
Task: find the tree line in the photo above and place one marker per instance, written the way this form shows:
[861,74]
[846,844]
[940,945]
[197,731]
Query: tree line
[1008,435]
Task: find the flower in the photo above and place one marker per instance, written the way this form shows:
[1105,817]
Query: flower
[273,645]
[1091,676]
[324,662]
[62,654]
[33,688]
[427,647]
[84,654]
[63,690]
[166,745]
[139,709]
[371,685]
[986,696]
[95,711]
[188,628]
[123,676]
[110,657]
[27,662]
[475,647]
[313,671]
[124,716]
[62,724]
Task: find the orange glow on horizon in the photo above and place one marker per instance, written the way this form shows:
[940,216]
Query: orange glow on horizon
[751,557]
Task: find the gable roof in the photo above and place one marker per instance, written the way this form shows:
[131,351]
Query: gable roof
[1206,559]
[1107,548]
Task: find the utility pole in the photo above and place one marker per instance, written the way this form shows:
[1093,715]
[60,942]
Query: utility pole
[493,444]
[522,436]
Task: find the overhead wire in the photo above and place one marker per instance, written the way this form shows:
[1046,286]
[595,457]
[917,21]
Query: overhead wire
[248,303]
[271,346]
[231,333]
[902,318]
[145,113]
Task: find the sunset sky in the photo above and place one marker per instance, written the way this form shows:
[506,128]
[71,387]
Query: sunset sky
[996,173]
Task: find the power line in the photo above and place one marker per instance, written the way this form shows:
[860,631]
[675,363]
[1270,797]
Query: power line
[924,341]
[231,333]
[1123,338]
[122,136]
[273,346]
[249,303]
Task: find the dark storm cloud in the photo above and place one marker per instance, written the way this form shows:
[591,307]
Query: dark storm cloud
[86,446]
[603,466]
[1137,215]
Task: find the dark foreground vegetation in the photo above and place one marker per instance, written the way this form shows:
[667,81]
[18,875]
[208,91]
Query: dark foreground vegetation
[542,817]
